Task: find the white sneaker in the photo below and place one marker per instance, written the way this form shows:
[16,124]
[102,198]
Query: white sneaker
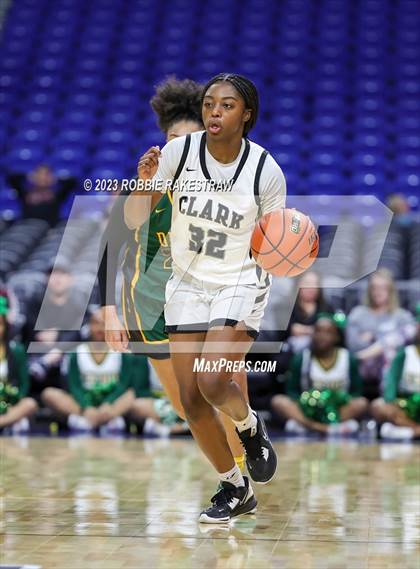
[345,428]
[116,424]
[79,423]
[152,427]
[292,426]
[21,426]
[390,431]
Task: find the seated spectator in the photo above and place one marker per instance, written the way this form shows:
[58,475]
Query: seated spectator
[309,302]
[14,316]
[151,406]
[15,406]
[376,330]
[399,410]
[56,317]
[99,385]
[323,390]
[401,209]
[41,193]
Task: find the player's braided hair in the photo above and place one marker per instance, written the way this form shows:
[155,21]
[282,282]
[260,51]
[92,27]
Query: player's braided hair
[246,89]
[177,100]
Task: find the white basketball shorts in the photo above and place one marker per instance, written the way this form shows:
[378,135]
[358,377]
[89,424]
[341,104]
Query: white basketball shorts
[195,306]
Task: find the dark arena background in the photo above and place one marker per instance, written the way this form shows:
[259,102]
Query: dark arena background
[120,486]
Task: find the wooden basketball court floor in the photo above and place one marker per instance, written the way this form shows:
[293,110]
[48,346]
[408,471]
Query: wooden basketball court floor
[86,503]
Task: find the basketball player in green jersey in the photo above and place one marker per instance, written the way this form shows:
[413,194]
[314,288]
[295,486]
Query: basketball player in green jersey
[147,260]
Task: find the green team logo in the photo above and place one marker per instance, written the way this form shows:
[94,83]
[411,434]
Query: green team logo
[295,227]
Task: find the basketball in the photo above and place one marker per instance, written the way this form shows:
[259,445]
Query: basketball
[285,243]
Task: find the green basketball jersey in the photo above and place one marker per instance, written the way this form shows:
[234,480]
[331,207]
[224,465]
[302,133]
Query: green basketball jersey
[146,268]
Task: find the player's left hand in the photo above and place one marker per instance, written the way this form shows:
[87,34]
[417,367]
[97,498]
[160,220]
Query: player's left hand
[115,333]
[148,163]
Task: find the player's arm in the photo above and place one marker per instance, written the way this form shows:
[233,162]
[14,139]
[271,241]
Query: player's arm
[113,238]
[138,205]
[272,187]
[156,165]
[115,235]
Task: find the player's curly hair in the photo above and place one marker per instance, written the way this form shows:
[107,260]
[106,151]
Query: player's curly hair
[177,100]
[246,89]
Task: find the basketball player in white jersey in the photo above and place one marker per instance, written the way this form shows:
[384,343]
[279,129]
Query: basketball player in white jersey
[216,296]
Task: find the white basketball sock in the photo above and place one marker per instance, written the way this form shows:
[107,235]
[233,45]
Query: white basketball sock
[250,422]
[233,476]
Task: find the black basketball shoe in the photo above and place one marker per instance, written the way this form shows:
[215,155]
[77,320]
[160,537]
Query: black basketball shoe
[261,459]
[228,502]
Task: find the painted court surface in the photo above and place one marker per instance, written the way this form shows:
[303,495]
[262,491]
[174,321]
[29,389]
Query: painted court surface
[85,503]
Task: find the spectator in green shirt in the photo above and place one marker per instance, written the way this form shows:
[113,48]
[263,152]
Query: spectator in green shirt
[323,389]
[15,405]
[100,384]
[399,409]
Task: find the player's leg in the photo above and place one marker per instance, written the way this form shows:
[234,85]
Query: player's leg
[232,436]
[186,301]
[235,496]
[202,418]
[158,416]
[166,374]
[218,388]
[216,383]
[23,409]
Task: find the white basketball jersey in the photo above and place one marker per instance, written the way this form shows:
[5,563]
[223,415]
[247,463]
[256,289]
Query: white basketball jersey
[211,229]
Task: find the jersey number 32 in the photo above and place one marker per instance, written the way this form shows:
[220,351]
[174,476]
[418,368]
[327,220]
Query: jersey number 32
[212,242]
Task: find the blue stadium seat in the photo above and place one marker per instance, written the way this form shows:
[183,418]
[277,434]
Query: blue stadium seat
[326,181]
[338,81]
[24,158]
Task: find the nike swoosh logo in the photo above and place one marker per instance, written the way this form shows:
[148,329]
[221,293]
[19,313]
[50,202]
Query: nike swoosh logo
[190,169]
[159,210]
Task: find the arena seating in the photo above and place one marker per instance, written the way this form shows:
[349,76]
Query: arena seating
[338,80]
[339,84]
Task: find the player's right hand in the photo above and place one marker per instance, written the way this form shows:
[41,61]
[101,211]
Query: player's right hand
[115,333]
[148,163]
